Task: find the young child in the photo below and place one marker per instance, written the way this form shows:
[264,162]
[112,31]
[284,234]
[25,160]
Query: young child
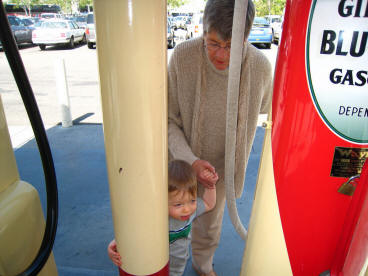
[184,207]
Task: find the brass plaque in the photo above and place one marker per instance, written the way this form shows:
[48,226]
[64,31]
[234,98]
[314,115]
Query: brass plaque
[348,162]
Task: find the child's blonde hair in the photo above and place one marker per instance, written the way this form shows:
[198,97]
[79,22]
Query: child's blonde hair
[182,177]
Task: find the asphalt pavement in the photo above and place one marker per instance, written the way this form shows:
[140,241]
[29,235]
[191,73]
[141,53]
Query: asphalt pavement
[85,224]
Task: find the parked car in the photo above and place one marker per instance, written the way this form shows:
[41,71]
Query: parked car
[58,32]
[170,36]
[179,22]
[275,22]
[277,33]
[38,24]
[81,20]
[170,21]
[90,31]
[195,25]
[27,21]
[22,33]
[261,32]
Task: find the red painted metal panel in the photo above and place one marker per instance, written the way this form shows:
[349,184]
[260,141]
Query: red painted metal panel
[163,272]
[352,250]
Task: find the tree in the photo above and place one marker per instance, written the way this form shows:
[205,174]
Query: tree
[265,7]
[172,4]
[26,5]
[85,4]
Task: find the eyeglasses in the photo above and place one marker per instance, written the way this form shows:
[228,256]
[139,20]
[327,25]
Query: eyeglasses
[211,46]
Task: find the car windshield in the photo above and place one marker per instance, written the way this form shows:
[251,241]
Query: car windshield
[80,19]
[13,21]
[260,21]
[48,16]
[54,25]
[27,22]
[90,19]
[38,23]
[276,19]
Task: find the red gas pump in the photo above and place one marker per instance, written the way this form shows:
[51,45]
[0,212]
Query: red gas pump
[320,134]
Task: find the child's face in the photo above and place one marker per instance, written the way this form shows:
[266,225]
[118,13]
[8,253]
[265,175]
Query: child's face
[181,205]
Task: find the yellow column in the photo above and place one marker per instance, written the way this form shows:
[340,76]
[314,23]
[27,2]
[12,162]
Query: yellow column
[131,46]
[265,252]
[21,219]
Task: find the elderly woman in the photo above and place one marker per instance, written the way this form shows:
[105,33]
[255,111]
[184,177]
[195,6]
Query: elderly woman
[198,77]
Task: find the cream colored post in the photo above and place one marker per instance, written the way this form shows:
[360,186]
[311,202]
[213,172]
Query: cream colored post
[265,253]
[131,47]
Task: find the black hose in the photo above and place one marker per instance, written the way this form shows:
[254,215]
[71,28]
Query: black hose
[25,89]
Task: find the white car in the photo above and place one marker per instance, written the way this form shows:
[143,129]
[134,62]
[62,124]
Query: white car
[275,22]
[58,32]
[90,31]
[195,25]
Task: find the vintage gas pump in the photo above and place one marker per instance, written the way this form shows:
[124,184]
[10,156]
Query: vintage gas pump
[309,215]
[21,218]
[26,240]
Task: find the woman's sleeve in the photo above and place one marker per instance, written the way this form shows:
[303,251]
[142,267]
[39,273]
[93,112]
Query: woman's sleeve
[268,89]
[177,142]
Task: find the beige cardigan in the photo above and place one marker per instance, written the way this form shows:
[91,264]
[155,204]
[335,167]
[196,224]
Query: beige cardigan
[187,77]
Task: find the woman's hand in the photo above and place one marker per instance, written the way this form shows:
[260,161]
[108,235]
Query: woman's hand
[206,173]
[113,253]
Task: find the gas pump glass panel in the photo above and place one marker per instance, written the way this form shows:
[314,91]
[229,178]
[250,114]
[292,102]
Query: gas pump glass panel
[337,58]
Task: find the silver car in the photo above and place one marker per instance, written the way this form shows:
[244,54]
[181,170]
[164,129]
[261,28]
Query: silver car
[22,33]
[90,31]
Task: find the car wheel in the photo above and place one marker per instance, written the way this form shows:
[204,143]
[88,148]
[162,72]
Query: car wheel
[71,43]
[84,39]
[42,47]
[268,45]
[90,45]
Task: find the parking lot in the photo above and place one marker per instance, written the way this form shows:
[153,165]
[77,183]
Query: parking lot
[82,79]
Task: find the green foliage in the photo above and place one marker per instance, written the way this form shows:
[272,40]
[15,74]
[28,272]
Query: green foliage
[265,7]
[83,3]
[175,3]
[65,5]
[25,4]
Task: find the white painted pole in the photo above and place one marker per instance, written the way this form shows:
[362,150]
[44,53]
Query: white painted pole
[63,93]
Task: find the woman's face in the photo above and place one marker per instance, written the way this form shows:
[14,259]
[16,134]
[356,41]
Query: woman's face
[218,51]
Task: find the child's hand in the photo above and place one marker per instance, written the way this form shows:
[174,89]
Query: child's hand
[113,253]
[206,173]
[211,177]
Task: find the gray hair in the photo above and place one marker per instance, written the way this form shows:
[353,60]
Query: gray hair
[218,17]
